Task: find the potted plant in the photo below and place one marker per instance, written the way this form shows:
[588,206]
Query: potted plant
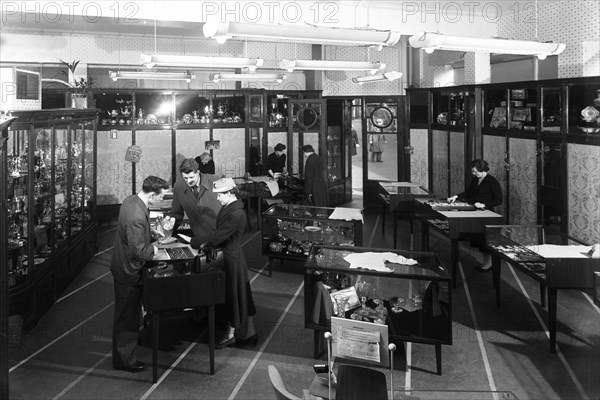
[81,85]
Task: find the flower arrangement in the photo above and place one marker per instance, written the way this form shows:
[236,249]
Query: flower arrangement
[82,85]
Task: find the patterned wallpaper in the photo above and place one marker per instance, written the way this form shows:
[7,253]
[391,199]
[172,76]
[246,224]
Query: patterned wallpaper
[584,192]
[457,162]
[494,150]
[522,181]
[230,157]
[419,161]
[156,156]
[440,163]
[575,23]
[114,173]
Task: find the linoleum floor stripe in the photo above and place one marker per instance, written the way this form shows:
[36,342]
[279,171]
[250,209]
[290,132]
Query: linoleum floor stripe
[80,377]
[265,344]
[562,358]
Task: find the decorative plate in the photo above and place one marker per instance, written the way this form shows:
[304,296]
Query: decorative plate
[187,119]
[311,228]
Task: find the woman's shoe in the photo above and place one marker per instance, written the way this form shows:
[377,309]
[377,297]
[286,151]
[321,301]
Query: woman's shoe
[248,339]
[225,342]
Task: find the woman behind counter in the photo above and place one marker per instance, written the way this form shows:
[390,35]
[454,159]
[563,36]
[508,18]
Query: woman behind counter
[484,192]
[206,165]
[276,160]
[239,310]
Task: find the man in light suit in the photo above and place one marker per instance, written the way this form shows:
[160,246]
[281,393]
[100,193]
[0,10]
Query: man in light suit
[131,251]
[193,196]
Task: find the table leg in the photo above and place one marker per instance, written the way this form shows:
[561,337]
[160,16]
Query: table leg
[395,231]
[438,358]
[383,218]
[496,265]
[259,212]
[211,337]
[247,210]
[454,259]
[542,295]
[155,330]
[424,236]
[552,299]
[316,343]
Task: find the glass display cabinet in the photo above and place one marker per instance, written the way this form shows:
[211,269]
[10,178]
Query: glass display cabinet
[406,290]
[552,258]
[290,230]
[584,108]
[51,207]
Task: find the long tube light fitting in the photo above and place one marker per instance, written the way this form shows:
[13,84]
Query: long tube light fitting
[173,76]
[163,60]
[386,76]
[222,31]
[324,65]
[434,41]
[225,77]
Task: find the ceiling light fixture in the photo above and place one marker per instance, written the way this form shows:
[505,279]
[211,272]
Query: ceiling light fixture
[435,41]
[172,76]
[322,65]
[163,60]
[222,31]
[386,76]
[247,77]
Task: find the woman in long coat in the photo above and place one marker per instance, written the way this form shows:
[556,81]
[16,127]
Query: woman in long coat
[239,308]
[315,178]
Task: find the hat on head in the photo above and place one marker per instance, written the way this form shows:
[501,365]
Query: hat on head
[280,147]
[223,185]
[307,148]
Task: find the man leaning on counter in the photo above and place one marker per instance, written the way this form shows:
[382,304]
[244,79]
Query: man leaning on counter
[193,196]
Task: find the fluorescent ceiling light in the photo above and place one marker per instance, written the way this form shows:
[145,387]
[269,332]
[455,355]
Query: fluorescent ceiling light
[434,41]
[322,65]
[386,76]
[221,31]
[163,60]
[173,76]
[248,77]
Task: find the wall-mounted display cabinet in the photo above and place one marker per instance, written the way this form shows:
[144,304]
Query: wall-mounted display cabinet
[535,134]
[50,197]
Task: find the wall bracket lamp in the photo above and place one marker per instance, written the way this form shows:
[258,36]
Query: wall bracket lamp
[225,77]
[386,76]
[172,76]
[323,65]
[164,60]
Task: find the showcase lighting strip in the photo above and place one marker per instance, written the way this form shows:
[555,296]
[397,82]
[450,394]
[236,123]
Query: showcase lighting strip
[386,76]
[434,41]
[218,77]
[172,76]
[222,31]
[322,65]
[163,60]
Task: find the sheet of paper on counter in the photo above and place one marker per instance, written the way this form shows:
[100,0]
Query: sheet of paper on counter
[347,214]
[376,261]
[557,251]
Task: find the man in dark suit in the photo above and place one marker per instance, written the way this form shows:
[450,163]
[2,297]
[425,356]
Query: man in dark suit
[193,196]
[315,178]
[131,250]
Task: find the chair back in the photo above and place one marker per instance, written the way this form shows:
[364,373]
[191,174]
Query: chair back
[281,392]
[365,342]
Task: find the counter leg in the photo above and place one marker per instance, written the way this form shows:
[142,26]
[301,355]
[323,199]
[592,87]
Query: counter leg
[395,218]
[542,295]
[424,236]
[155,330]
[259,212]
[496,265]
[316,343]
[383,219]
[438,358]
[552,299]
[211,337]
[454,259]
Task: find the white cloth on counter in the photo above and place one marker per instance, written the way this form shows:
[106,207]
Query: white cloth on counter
[273,187]
[558,251]
[376,261]
[347,214]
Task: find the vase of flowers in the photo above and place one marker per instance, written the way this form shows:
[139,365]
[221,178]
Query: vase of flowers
[79,97]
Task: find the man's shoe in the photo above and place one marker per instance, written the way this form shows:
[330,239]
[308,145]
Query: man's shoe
[224,342]
[137,366]
[483,269]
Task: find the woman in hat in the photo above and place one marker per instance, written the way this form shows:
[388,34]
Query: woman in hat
[276,161]
[238,312]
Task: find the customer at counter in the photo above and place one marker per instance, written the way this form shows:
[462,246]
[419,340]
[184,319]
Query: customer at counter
[315,178]
[484,192]
[193,196]
[132,248]
[276,161]
[238,313]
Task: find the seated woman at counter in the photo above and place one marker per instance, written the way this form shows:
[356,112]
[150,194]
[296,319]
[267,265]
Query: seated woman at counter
[276,161]
[238,312]
[206,165]
[484,192]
